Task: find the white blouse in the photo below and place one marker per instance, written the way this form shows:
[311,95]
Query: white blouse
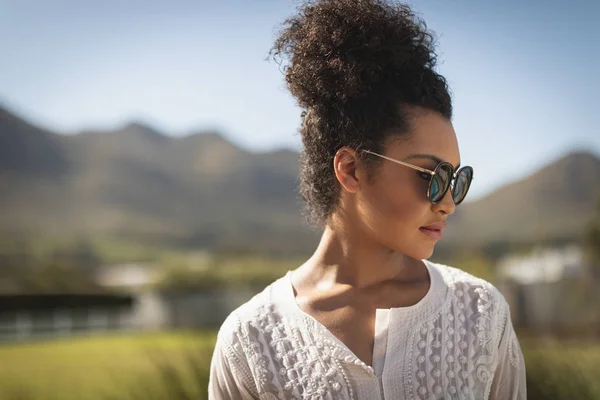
[458,342]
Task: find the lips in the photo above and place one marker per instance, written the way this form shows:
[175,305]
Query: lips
[438,226]
[434,230]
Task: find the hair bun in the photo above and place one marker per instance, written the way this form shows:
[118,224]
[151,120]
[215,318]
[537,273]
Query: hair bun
[340,51]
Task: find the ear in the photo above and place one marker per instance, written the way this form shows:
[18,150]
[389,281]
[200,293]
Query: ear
[349,169]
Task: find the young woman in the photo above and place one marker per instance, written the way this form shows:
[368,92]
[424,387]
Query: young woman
[368,316]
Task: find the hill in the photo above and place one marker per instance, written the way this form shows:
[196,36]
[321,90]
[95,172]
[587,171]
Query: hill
[203,191]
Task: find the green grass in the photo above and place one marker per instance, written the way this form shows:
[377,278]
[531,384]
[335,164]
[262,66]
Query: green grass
[564,370]
[107,367]
[175,366]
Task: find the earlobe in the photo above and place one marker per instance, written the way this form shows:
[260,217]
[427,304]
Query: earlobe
[345,165]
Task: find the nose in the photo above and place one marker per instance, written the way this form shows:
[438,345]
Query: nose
[446,205]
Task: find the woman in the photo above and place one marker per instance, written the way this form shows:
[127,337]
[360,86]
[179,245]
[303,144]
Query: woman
[368,316]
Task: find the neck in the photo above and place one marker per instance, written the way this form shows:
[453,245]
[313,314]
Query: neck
[344,258]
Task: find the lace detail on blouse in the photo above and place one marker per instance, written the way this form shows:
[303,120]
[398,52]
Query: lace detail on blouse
[513,351]
[283,362]
[453,347]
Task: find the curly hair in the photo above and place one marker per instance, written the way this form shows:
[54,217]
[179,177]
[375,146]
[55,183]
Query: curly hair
[355,67]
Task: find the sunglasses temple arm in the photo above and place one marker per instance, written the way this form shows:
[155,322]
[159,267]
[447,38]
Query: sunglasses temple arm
[432,173]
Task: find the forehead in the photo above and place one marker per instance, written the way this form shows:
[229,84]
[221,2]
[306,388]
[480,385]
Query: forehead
[430,133]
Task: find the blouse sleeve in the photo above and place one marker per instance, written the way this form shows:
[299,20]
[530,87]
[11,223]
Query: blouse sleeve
[509,379]
[230,376]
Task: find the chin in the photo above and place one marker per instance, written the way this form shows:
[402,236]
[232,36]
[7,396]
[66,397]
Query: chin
[423,254]
[418,252]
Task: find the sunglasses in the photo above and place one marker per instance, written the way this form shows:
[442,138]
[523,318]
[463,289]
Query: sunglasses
[442,178]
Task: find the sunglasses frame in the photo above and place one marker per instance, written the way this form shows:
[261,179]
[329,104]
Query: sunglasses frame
[432,173]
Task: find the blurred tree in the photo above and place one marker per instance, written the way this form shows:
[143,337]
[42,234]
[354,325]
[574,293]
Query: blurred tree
[15,252]
[78,254]
[57,277]
[473,259]
[591,244]
[47,276]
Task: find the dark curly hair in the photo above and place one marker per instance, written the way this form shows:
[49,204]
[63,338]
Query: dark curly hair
[356,67]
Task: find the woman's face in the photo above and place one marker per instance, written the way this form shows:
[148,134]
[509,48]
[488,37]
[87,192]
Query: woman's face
[393,206]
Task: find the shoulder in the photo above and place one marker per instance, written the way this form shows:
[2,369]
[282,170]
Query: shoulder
[252,317]
[470,290]
[460,281]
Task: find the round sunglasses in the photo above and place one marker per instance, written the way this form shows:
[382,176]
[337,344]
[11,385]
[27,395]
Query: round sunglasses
[442,178]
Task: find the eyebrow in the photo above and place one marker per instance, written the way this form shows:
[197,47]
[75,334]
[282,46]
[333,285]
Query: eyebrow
[429,157]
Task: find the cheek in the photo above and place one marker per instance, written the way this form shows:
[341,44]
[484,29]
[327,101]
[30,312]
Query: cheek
[394,215]
[397,209]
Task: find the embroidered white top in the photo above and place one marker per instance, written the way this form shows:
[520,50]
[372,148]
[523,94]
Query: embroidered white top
[458,342]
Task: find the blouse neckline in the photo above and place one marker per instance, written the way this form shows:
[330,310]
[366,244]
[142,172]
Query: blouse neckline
[434,287]
[323,335]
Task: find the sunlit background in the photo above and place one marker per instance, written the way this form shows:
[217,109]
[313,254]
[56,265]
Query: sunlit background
[148,172]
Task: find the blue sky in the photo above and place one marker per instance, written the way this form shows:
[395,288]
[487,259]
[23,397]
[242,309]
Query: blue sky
[523,73]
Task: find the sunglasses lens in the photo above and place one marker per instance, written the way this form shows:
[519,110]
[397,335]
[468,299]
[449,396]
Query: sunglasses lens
[440,182]
[462,184]
[435,189]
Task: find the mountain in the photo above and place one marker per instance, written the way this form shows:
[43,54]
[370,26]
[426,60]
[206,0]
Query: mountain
[140,184]
[28,150]
[552,204]
[202,190]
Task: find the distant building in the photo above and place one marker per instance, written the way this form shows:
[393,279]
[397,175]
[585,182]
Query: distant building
[126,276]
[544,287]
[149,311]
[127,301]
[118,305]
[203,308]
[543,265]
[155,309]
[38,316]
